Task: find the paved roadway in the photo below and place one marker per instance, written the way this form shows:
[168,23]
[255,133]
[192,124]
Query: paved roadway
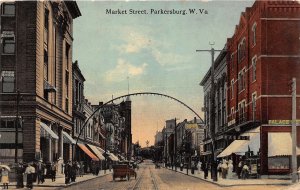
[150,178]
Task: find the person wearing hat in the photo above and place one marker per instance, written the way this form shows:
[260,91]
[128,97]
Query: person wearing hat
[30,170]
[40,171]
[4,178]
[20,170]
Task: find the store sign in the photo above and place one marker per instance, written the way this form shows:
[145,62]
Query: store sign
[282,122]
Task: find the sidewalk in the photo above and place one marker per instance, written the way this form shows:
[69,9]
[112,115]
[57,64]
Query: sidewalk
[235,181]
[60,180]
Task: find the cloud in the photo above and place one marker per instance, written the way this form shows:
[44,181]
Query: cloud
[135,42]
[124,69]
[165,59]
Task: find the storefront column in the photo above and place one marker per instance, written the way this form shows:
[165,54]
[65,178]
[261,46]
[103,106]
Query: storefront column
[50,150]
[60,152]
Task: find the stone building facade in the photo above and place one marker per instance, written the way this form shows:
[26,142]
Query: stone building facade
[36,61]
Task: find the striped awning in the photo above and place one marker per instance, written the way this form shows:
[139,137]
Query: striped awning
[113,157]
[96,151]
[47,132]
[68,139]
[88,152]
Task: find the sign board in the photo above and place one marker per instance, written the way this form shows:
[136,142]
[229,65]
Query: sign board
[282,122]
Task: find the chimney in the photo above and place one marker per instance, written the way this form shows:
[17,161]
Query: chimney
[195,120]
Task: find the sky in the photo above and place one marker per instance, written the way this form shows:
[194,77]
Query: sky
[151,53]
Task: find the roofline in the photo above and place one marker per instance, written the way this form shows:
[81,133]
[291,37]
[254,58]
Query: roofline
[73,8]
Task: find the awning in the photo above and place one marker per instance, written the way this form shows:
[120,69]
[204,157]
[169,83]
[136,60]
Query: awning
[88,152]
[47,132]
[101,150]
[280,144]
[242,146]
[68,139]
[96,151]
[113,157]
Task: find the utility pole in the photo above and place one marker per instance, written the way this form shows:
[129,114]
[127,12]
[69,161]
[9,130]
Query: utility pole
[212,112]
[175,144]
[16,127]
[294,132]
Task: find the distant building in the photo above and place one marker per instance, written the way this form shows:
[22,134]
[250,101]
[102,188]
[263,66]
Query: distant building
[158,138]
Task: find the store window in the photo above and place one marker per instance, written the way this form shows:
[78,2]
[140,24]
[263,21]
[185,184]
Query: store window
[280,162]
[8,41]
[8,81]
[8,9]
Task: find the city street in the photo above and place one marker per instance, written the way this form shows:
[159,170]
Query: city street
[153,179]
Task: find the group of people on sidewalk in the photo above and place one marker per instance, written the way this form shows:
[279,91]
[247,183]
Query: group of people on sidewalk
[225,169]
[30,172]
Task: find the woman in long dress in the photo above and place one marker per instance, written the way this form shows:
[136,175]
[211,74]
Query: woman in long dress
[4,178]
[230,168]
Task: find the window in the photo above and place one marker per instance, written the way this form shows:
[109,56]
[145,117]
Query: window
[241,80]
[232,89]
[8,123]
[8,81]
[241,50]
[45,65]
[67,105]
[46,19]
[254,34]
[254,59]
[232,111]
[8,40]
[8,9]
[67,83]
[253,105]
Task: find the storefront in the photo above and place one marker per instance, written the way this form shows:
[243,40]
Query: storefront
[279,152]
[86,157]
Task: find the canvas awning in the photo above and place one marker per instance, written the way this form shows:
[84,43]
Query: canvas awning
[68,139]
[280,144]
[97,152]
[101,150]
[88,152]
[242,146]
[113,157]
[47,132]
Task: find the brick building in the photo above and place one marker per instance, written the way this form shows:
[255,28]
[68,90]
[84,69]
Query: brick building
[263,56]
[36,60]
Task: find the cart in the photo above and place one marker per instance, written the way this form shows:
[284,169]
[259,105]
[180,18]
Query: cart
[123,171]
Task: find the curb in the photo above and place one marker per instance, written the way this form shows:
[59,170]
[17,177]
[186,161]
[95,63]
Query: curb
[223,185]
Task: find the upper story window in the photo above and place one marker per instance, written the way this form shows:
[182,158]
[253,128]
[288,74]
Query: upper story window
[8,41]
[254,60]
[242,50]
[241,80]
[8,81]
[232,89]
[9,9]
[254,34]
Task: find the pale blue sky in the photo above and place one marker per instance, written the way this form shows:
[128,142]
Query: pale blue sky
[157,52]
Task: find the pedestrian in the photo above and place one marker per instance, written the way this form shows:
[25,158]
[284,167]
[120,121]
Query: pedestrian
[230,170]
[53,171]
[73,172]
[224,169]
[30,170]
[199,166]
[67,171]
[239,168]
[205,169]
[40,167]
[219,168]
[20,171]
[245,171]
[4,177]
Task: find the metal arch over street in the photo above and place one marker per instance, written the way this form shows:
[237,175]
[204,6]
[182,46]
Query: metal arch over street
[128,95]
